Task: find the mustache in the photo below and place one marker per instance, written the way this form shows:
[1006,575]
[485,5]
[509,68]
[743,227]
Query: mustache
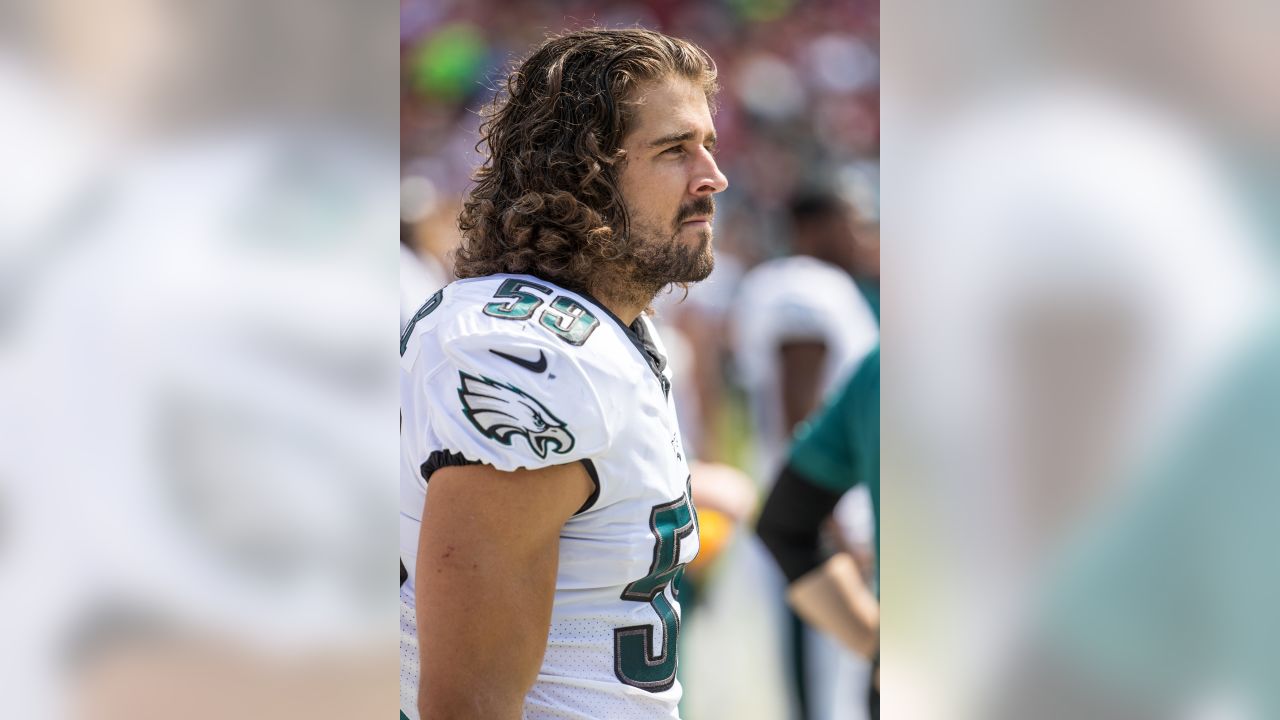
[701,206]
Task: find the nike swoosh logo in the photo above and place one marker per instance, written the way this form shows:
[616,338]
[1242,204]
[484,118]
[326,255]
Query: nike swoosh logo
[537,366]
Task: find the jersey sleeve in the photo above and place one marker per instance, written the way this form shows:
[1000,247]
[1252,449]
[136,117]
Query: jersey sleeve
[799,315]
[827,448]
[808,302]
[513,401]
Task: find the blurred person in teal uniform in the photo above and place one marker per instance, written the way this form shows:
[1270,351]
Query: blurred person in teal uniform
[836,452]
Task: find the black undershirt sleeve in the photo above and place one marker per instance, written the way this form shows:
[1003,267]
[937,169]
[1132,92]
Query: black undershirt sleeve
[790,524]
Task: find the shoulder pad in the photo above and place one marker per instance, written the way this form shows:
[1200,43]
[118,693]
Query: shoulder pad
[514,398]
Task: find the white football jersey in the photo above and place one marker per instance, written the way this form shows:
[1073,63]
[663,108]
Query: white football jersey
[791,299]
[516,372]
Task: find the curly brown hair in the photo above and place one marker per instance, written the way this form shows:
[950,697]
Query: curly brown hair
[546,201]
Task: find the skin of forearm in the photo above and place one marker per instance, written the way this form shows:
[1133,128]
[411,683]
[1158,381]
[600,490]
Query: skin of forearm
[801,363]
[834,599]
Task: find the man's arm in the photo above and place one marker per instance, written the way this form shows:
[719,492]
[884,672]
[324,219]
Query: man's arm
[800,363]
[487,559]
[827,592]
[833,598]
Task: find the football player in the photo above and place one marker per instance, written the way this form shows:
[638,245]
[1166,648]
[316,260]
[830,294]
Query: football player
[837,451]
[800,328]
[545,509]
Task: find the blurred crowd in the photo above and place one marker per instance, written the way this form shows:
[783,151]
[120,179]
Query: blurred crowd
[799,105]
[195,392]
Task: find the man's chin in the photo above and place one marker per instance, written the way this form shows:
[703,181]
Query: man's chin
[702,273]
[706,262]
[683,258]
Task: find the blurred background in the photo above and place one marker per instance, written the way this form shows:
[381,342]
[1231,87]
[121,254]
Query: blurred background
[197,401]
[1081,373]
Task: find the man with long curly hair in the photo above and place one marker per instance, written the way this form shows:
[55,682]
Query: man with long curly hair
[545,508]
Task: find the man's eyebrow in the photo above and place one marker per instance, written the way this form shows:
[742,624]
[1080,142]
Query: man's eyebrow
[680,137]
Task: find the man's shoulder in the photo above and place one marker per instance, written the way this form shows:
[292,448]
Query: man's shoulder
[785,286]
[526,322]
[798,273]
[530,308]
[517,372]
[798,298]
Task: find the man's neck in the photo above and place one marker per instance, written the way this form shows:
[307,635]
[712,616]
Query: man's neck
[624,300]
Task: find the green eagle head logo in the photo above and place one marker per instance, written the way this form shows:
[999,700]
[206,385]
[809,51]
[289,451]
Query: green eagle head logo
[502,412]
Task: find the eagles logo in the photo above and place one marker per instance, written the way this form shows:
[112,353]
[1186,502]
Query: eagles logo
[502,411]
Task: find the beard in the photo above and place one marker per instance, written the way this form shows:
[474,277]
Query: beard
[658,257]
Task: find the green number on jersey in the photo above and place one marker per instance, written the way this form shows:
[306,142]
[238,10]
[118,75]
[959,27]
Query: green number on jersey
[566,317]
[635,661]
[521,305]
[433,302]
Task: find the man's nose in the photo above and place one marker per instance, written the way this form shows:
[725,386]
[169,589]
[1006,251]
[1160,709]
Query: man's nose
[707,178]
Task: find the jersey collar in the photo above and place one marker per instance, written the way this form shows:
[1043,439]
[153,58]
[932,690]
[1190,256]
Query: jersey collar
[638,333]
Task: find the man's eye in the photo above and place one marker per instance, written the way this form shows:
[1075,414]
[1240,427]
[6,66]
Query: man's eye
[677,150]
